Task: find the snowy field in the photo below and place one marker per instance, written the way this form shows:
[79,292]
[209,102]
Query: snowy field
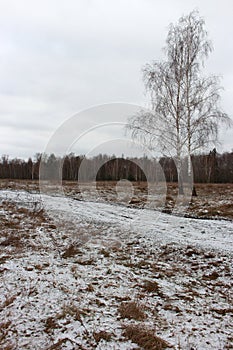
[85,275]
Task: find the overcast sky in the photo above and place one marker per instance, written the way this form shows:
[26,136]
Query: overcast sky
[61,57]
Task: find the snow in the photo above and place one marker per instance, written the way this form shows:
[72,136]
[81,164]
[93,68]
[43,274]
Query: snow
[49,296]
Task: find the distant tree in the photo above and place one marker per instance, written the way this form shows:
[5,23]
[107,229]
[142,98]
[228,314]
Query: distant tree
[185,115]
[36,165]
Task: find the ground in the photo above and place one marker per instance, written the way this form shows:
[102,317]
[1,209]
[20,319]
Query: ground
[90,274]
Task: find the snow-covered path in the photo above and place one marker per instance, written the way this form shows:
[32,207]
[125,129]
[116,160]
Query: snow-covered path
[159,227]
[156,226]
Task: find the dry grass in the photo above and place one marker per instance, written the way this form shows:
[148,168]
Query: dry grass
[71,310]
[132,310]
[90,288]
[13,240]
[8,302]
[75,312]
[212,199]
[168,263]
[211,276]
[9,347]
[105,253]
[15,216]
[150,286]
[85,262]
[50,324]
[70,251]
[98,336]
[18,226]
[5,330]
[58,344]
[144,337]
[223,312]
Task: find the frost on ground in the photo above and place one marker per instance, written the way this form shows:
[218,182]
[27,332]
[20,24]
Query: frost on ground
[84,275]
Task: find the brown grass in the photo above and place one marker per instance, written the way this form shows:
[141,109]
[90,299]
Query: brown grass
[5,329]
[70,251]
[58,344]
[50,324]
[105,253]
[102,335]
[145,338]
[67,310]
[14,220]
[85,262]
[9,224]
[209,196]
[211,277]
[74,311]
[13,240]
[150,286]
[90,288]
[8,301]
[223,312]
[8,347]
[132,310]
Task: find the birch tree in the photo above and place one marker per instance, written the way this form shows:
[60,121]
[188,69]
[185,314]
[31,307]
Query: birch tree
[185,112]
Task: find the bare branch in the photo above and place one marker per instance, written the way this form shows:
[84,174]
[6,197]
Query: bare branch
[186,111]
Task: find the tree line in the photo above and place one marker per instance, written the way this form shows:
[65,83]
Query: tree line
[207,168]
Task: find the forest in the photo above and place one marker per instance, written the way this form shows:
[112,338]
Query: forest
[207,168]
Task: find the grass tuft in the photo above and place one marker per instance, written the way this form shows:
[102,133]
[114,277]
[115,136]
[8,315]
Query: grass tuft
[132,310]
[98,336]
[145,338]
[71,251]
[150,286]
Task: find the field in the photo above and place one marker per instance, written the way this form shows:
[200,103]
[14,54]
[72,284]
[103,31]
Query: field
[104,270]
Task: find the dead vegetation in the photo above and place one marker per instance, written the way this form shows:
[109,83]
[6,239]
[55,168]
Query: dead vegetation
[213,200]
[58,344]
[150,286]
[132,281]
[71,251]
[98,336]
[132,310]
[8,301]
[144,337]
[19,222]
[6,343]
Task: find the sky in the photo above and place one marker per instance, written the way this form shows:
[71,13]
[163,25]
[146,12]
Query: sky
[59,58]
